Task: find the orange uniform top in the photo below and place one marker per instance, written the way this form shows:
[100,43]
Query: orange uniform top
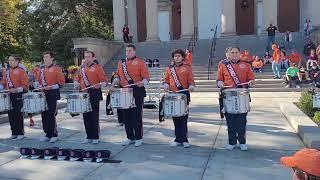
[189,58]
[137,70]
[242,69]
[276,55]
[184,74]
[52,75]
[246,57]
[94,73]
[295,58]
[257,64]
[18,77]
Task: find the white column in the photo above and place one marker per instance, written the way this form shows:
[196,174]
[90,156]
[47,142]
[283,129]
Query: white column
[260,25]
[228,17]
[119,19]
[152,20]
[132,18]
[270,13]
[187,18]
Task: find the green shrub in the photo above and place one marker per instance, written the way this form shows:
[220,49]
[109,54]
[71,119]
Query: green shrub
[316,117]
[306,103]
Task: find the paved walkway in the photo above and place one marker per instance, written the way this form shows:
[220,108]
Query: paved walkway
[269,137]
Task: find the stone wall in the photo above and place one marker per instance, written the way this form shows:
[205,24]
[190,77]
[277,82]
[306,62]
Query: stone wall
[104,50]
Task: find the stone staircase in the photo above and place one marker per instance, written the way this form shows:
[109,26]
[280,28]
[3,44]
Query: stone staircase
[255,44]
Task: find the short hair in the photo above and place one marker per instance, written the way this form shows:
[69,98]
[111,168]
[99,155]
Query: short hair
[48,52]
[178,51]
[90,52]
[231,47]
[16,57]
[131,46]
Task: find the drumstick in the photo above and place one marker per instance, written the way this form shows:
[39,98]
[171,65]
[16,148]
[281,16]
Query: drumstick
[89,87]
[38,89]
[239,84]
[179,91]
[129,85]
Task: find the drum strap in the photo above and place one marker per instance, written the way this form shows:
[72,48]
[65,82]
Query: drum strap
[42,77]
[9,82]
[175,78]
[125,72]
[84,76]
[232,73]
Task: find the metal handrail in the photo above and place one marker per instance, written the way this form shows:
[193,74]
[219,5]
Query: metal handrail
[193,39]
[212,51]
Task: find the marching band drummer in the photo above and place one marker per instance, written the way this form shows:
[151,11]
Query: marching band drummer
[15,80]
[232,73]
[133,71]
[50,77]
[179,76]
[91,74]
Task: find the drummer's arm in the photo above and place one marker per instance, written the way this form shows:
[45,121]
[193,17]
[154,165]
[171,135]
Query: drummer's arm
[24,82]
[191,79]
[250,77]
[102,77]
[145,74]
[166,80]
[220,79]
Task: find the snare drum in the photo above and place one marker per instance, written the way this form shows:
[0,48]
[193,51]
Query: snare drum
[5,103]
[236,100]
[122,98]
[316,100]
[175,105]
[34,102]
[78,103]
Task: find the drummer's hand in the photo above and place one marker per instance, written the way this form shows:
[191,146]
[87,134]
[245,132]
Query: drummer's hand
[191,88]
[139,84]
[220,84]
[166,87]
[47,88]
[251,83]
[115,82]
[76,84]
[97,86]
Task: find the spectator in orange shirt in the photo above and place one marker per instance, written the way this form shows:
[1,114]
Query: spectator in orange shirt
[15,80]
[246,57]
[189,56]
[276,66]
[295,57]
[257,64]
[304,163]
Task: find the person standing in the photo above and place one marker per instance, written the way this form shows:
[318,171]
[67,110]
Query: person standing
[133,71]
[16,82]
[271,35]
[91,75]
[232,73]
[126,32]
[189,56]
[179,76]
[288,38]
[307,27]
[50,78]
[292,76]
[276,66]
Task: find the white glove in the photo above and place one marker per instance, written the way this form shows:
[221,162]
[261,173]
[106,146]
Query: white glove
[115,81]
[220,84]
[36,84]
[76,84]
[191,88]
[103,84]
[145,82]
[166,87]
[1,87]
[251,83]
[55,86]
[20,89]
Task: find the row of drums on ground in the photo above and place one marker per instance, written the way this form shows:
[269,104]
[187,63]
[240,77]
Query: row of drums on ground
[174,104]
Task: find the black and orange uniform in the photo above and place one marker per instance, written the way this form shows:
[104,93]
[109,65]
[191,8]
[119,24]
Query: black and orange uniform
[50,76]
[236,122]
[136,71]
[90,76]
[16,78]
[184,75]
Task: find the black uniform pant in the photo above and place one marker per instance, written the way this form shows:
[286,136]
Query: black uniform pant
[181,128]
[49,116]
[236,128]
[91,119]
[121,115]
[15,114]
[132,118]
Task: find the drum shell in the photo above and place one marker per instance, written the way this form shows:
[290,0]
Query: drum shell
[175,105]
[34,102]
[122,98]
[236,100]
[5,102]
[78,103]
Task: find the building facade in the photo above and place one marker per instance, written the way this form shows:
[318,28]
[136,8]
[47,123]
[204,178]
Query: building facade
[165,20]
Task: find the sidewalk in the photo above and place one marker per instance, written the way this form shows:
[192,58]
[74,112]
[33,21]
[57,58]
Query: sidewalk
[269,137]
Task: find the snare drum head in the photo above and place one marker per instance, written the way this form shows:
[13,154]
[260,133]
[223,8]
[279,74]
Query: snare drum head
[4,95]
[175,96]
[77,95]
[33,95]
[236,91]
